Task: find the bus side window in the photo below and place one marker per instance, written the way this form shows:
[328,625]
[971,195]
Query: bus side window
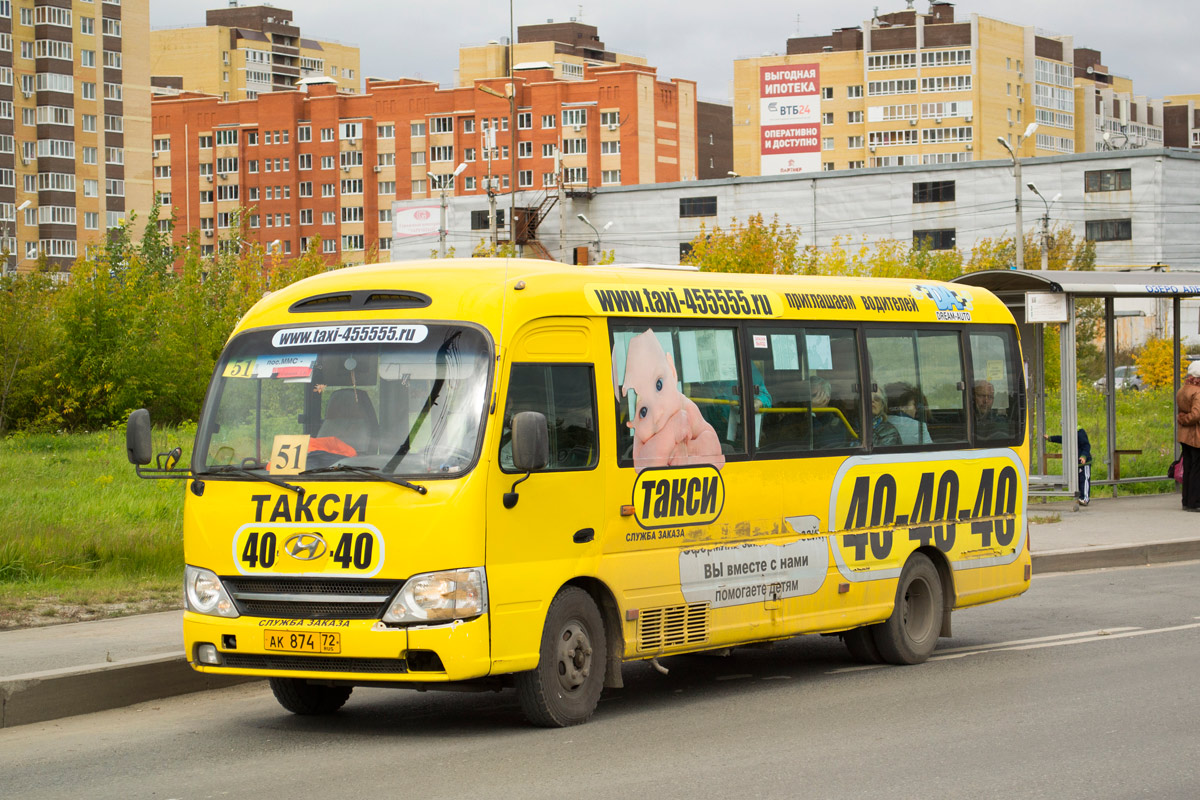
[917,380]
[681,388]
[995,388]
[566,394]
[811,382]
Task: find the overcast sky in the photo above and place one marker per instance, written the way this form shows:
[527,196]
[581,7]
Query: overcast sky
[1150,41]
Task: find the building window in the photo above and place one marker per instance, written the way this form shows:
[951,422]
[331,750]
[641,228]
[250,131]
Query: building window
[574,116]
[524,149]
[610,148]
[698,206]
[827,166]
[385,131]
[417,129]
[479,220]
[525,178]
[388,188]
[1107,180]
[442,124]
[548,121]
[610,176]
[933,192]
[939,239]
[524,120]
[827,93]
[1109,230]
[827,143]
[304,133]
[827,118]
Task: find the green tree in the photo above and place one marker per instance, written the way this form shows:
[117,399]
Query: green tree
[753,246]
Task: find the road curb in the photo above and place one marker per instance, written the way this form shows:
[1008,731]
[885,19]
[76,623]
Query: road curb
[53,694]
[1125,555]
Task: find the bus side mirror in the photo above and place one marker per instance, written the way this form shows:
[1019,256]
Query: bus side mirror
[530,448]
[530,441]
[137,438]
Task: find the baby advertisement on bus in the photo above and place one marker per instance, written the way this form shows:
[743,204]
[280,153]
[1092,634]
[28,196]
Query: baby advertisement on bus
[668,427]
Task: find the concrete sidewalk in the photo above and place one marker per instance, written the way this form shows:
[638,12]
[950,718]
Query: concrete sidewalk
[58,671]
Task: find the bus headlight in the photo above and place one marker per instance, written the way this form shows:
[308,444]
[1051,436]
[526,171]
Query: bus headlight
[440,596]
[205,594]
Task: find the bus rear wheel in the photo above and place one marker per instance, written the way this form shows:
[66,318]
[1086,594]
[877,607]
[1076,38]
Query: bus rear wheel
[910,634]
[565,686]
[861,644]
[301,697]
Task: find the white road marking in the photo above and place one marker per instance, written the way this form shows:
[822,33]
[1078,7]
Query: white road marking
[1035,644]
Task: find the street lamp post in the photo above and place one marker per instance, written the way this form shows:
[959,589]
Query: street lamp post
[17,234]
[444,182]
[1020,237]
[583,218]
[1045,225]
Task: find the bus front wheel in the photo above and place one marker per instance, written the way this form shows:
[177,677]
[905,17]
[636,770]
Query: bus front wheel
[301,697]
[910,634]
[565,686]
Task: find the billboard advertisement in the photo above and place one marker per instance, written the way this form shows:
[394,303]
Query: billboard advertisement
[416,221]
[790,119]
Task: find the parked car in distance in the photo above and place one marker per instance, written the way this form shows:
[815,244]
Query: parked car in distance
[1124,377]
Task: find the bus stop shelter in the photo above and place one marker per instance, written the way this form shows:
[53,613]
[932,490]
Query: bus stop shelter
[1037,298]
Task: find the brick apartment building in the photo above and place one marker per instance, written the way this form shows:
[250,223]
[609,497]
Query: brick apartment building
[74,125]
[317,161]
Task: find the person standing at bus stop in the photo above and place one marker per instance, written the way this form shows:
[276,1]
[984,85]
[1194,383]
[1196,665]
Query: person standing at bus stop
[1084,451]
[1188,418]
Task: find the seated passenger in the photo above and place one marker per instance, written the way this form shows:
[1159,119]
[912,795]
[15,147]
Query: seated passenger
[829,431]
[883,433]
[988,422]
[903,403]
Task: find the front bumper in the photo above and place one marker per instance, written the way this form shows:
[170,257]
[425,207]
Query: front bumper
[369,651]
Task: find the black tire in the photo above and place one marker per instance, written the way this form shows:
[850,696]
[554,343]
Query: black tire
[565,686]
[910,634]
[301,697]
[861,644]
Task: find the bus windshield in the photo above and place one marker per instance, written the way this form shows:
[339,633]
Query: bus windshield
[347,401]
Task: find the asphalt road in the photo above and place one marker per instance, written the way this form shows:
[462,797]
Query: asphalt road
[1086,687]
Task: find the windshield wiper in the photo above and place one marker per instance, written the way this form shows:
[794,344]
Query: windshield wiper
[229,469]
[370,472]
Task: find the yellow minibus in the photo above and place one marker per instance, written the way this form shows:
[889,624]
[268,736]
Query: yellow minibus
[488,473]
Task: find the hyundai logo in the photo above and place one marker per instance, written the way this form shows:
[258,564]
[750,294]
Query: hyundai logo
[305,546]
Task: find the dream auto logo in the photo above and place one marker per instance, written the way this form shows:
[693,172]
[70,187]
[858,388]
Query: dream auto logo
[952,304]
[421,214]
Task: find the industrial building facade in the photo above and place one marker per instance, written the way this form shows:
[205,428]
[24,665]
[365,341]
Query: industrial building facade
[74,125]
[1137,206]
[912,89]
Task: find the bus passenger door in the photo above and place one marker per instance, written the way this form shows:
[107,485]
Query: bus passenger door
[551,535]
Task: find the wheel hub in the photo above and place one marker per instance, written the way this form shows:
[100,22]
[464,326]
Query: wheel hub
[574,656]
